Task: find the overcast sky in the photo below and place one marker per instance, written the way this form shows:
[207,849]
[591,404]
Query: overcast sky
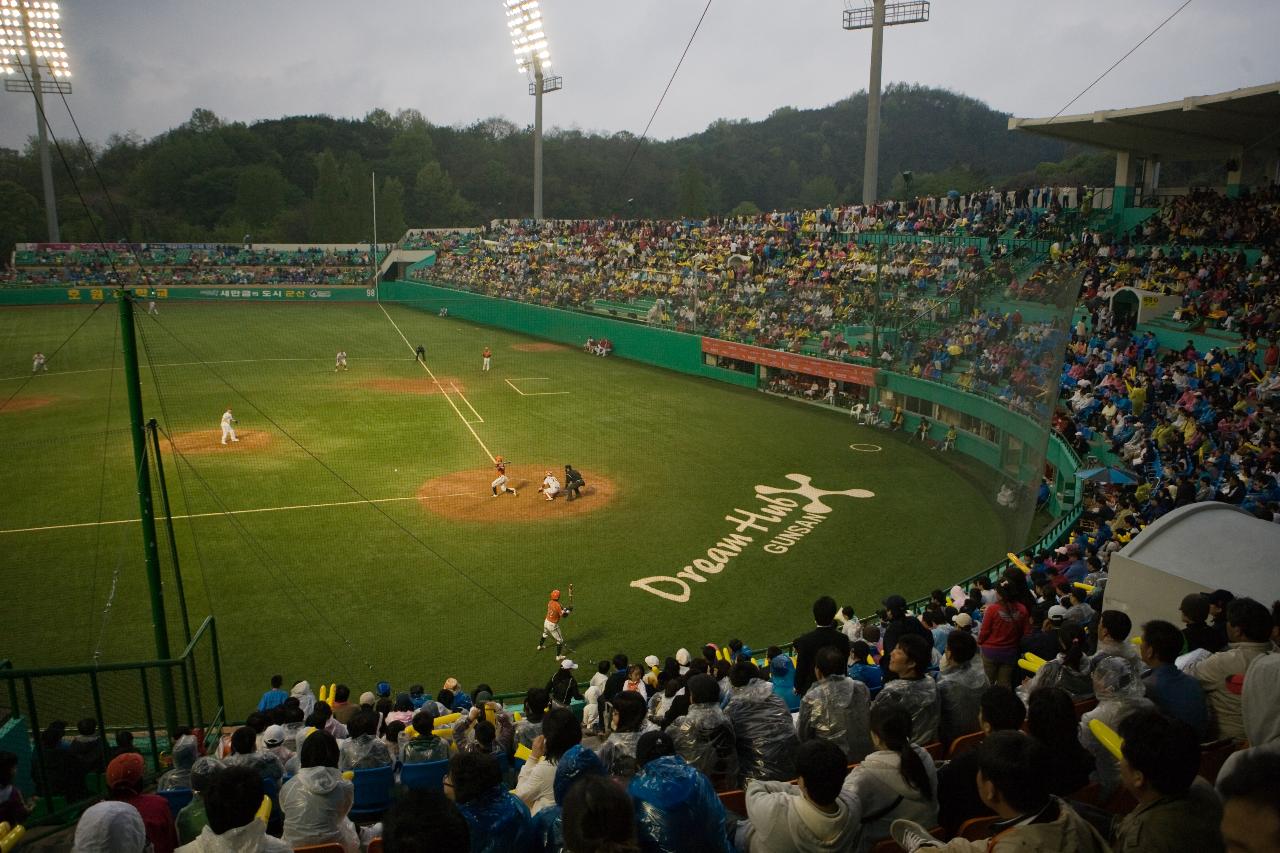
[143,65]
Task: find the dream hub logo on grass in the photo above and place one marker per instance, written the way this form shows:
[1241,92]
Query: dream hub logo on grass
[765,519]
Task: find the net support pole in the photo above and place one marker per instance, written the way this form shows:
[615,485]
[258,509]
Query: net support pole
[537,139]
[151,552]
[154,429]
[871,162]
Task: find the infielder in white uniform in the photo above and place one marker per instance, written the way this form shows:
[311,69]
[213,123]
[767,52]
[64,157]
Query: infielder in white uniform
[550,486]
[341,362]
[152,309]
[39,363]
[227,428]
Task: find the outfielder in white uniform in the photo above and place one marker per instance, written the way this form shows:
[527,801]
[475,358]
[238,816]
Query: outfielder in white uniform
[227,428]
[550,486]
[151,308]
[39,363]
[340,363]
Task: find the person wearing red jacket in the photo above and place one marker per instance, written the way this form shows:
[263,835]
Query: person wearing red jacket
[1004,623]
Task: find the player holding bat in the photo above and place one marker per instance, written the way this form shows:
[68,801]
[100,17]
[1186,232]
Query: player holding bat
[551,624]
[500,482]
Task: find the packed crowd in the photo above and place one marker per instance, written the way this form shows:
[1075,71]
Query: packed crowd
[1207,218]
[167,265]
[834,746]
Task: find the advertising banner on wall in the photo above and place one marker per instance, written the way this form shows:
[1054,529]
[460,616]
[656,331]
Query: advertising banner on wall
[855,373]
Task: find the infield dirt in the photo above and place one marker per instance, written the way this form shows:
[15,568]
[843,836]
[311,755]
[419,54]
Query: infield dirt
[210,441]
[465,496]
[26,404]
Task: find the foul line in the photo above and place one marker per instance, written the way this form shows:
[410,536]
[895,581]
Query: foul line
[512,383]
[439,385]
[478,419]
[181,364]
[236,512]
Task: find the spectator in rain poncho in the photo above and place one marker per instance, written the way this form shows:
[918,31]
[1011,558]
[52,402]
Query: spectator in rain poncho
[1120,693]
[762,727]
[913,689]
[897,780]
[193,819]
[618,752]
[1069,671]
[110,827]
[498,821]
[422,744]
[245,753]
[782,674]
[661,702]
[424,820]
[232,801]
[548,824]
[704,737]
[676,807]
[185,753]
[316,801]
[1113,640]
[835,708]
[961,683]
[364,749]
[1259,701]
[306,699]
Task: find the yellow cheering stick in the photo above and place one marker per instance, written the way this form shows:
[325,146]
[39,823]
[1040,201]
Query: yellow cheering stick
[1107,737]
[12,837]
[1087,587]
[1032,666]
[1017,561]
[264,811]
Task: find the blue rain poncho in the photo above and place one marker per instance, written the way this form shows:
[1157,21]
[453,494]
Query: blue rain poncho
[677,809]
[548,828]
[499,822]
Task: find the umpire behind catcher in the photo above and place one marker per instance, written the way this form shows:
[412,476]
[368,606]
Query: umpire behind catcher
[573,482]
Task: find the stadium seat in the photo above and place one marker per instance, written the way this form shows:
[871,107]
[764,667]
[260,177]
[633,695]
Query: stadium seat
[424,775]
[965,743]
[935,750]
[177,798]
[373,791]
[1083,706]
[320,848]
[375,846]
[1213,756]
[734,801]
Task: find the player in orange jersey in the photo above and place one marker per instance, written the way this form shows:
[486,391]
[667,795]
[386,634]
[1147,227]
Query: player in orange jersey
[500,482]
[487,356]
[551,625]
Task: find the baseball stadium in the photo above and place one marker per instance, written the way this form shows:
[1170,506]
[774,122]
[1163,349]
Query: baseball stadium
[434,476]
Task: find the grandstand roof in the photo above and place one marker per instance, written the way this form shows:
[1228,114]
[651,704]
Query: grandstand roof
[1194,128]
[1215,545]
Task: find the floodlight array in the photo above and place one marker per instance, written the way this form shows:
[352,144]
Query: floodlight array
[35,21]
[528,41]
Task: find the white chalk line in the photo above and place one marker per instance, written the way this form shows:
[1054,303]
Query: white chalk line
[512,383]
[478,420]
[439,385]
[180,364]
[240,512]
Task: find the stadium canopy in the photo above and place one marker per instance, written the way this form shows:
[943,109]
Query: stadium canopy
[1228,125]
[1196,548]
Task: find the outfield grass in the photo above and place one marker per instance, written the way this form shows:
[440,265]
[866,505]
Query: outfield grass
[362,592]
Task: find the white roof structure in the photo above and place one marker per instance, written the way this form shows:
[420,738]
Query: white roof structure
[1196,548]
[1193,128]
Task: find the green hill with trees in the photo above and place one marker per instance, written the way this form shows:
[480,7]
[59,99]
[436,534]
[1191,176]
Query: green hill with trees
[307,178]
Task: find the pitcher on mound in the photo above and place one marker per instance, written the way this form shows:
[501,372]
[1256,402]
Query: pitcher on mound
[501,481]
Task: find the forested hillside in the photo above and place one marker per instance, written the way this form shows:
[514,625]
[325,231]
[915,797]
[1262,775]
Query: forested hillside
[307,178]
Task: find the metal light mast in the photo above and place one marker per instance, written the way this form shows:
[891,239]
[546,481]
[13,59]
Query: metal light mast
[533,57]
[31,37]
[876,17]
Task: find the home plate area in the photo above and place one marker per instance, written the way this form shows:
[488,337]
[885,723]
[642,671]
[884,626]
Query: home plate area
[465,495]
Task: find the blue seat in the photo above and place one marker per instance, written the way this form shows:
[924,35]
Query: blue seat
[424,775]
[373,791]
[177,798]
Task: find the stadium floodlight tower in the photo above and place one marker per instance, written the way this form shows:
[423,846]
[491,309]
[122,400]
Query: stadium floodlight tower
[876,17]
[31,37]
[533,57]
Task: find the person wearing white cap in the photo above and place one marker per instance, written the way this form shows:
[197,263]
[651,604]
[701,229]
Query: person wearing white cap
[110,827]
[563,687]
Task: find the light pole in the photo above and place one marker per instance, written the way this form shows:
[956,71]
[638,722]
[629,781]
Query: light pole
[876,17]
[533,57]
[31,36]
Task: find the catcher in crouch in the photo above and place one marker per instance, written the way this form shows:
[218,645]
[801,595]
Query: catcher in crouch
[551,625]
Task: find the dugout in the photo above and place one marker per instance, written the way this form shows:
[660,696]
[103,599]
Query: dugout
[1196,548]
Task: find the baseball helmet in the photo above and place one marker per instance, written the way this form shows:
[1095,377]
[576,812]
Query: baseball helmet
[548,473]
[497,459]
[555,595]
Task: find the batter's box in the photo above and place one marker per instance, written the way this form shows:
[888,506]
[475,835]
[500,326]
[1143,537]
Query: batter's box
[516,388]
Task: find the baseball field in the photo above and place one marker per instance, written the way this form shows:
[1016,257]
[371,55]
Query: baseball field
[350,534]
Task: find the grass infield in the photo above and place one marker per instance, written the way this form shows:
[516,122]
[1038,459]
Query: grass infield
[352,536]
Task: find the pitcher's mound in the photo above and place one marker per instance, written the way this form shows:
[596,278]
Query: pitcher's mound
[210,441]
[26,404]
[465,495]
